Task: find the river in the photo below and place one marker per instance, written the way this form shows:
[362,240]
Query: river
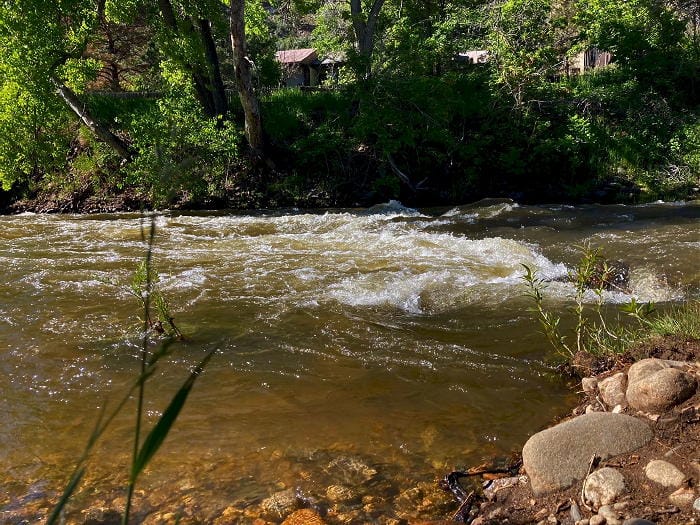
[376,349]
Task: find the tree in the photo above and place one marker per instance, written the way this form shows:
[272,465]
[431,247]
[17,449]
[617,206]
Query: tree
[189,40]
[244,83]
[365,27]
[643,35]
[46,43]
[522,38]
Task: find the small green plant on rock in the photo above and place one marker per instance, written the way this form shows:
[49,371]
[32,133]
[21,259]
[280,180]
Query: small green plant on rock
[144,287]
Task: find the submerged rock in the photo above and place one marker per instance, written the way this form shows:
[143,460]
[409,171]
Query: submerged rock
[280,504]
[341,494]
[304,517]
[558,456]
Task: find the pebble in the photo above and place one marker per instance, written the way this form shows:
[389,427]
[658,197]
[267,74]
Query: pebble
[597,519]
[589,385]
[280,504]
[611,517]
[664,473]
[637,521]
[696,505]
[304,517]
[503,483]
[683,497]
[612,389]
[340,494]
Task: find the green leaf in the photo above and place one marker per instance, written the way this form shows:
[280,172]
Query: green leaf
[67,493]
[159,432]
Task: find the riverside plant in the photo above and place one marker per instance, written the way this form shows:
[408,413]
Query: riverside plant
[591,333]
[143,287]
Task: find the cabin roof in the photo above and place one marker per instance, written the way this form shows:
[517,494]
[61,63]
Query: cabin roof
[296,56]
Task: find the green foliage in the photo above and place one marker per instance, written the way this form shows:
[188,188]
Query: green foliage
[522,39]
[514,126]
[333,30]
[32,137]
[643,34]
[682,320]
[591,332]
[181,154]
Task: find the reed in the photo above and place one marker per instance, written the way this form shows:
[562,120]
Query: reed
[595,333]
[151,355]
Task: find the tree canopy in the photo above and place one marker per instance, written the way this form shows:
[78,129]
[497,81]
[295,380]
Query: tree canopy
[179,101]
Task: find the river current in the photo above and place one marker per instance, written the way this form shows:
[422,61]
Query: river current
[376,349]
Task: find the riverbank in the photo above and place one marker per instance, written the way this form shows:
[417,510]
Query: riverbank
[647,462]
[270,192]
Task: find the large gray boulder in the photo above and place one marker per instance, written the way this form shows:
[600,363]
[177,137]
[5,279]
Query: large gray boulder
[660,390]
[557,457]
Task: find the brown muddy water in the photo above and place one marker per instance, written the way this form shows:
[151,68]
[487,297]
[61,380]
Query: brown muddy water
[373,349]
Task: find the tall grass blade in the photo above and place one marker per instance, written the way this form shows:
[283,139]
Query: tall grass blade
[159,432]
[66,496]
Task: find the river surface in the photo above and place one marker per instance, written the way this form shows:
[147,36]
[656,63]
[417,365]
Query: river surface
[375,349]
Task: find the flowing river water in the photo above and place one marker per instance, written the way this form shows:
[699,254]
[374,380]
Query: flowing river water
[371,349]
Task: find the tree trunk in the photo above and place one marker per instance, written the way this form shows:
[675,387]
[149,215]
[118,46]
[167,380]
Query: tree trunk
[203,84]
[251,109]
[99,129]
[217,84]
[365,30]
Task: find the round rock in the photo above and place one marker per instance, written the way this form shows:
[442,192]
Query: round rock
[280,504]
[589,385]
[683,497]
[661,390]
[604,486]
[557,457]
[341,494]
[664,473]
[304,517]
[612,390]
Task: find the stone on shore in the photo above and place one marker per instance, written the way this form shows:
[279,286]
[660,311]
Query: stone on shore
[557,457]
[603,487]
[612,390]
[661,390]
[664,473]
[683,497]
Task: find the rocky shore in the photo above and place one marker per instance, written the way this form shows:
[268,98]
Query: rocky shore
[628,455]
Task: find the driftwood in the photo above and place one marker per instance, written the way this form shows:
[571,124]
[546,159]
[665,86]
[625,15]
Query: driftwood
[466,512]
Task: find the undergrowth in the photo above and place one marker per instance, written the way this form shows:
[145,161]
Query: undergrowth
[594,332]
